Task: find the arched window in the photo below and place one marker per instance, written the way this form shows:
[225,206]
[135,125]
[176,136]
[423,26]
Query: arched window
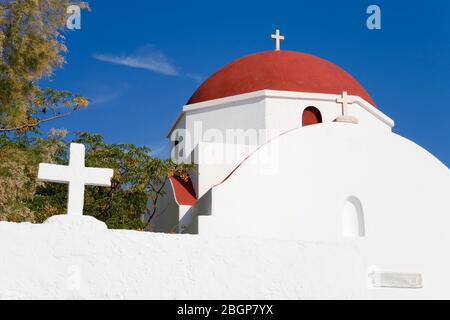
[311,116]
[353,224]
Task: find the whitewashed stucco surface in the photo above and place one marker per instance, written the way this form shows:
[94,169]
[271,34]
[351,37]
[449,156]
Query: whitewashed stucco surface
[44,261]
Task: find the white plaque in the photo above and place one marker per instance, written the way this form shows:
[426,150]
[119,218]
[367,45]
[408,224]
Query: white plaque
[397,280]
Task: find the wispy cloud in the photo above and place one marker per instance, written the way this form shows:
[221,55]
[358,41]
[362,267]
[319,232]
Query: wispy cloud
[146,57]
[196,77]
[101,94]
[104,98]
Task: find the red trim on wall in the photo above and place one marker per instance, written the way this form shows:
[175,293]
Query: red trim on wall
[184,191]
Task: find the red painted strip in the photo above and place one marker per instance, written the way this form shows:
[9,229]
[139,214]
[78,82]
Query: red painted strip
[184,191]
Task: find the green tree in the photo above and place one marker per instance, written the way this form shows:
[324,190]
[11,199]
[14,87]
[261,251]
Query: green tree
[31,48]
[19,159]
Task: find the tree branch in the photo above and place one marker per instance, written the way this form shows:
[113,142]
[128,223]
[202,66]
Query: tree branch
[39,122]
[155,203]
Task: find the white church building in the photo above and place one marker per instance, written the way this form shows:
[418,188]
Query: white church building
[300,190]
[287,145]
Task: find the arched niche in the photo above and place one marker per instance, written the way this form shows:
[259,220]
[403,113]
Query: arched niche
[311,116]
[353,221]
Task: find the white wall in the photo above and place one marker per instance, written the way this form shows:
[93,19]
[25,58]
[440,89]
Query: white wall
[404,192]
[265,114]
[80,259]
[284,110]
[286,114]
[246,114]
[215,161]
[177,153]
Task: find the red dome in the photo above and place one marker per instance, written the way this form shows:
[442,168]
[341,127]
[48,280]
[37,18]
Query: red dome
[278,70]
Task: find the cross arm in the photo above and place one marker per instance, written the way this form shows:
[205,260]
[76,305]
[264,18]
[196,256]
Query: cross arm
[53,173]
[98,177]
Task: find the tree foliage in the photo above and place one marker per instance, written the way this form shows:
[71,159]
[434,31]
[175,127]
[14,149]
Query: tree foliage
[31,47]
[19,159]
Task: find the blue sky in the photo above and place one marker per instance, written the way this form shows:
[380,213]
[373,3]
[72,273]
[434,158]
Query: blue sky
[140,61]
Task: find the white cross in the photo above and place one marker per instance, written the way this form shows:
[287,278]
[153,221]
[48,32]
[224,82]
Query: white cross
[345,101]
[77,176]
[278,38]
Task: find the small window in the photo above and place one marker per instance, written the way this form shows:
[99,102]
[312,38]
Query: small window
[311,116]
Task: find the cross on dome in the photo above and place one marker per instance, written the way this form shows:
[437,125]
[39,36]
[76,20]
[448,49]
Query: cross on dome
[278,38]
[77,176]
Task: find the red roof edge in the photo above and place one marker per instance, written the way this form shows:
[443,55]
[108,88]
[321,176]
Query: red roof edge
[184,191]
